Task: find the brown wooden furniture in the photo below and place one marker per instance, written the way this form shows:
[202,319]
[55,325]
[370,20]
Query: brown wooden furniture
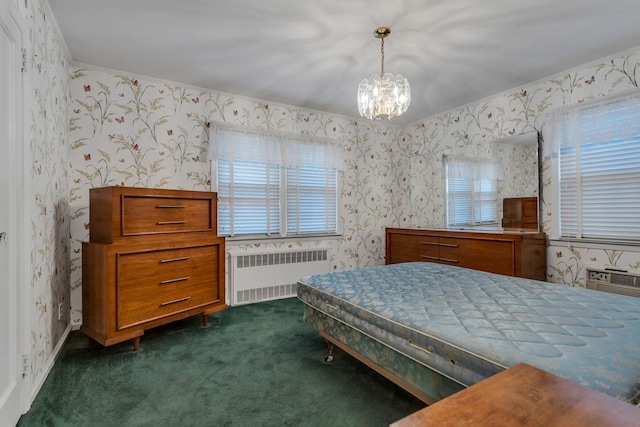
[525,396]
[154,256]
[520,254]
[520,212]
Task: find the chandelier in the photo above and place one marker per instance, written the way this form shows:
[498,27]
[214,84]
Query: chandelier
[384,95]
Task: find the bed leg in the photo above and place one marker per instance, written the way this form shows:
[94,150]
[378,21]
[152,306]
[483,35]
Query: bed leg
[329,357]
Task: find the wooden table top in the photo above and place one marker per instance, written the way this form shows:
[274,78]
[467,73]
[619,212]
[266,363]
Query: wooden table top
[525,396]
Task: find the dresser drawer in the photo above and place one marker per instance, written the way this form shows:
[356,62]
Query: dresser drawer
[406,248]
[494,256]
[152,215]
[131,214]
[154,284]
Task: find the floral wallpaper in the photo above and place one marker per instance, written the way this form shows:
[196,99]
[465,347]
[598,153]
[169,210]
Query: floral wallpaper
[48,83]
[91,128]
[134,131]
[518,111]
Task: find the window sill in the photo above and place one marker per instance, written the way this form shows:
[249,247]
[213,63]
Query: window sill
[265,239]
[633,246]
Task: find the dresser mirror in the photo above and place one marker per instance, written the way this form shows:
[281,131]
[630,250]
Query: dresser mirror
[518,185]
[514,167]
[492,185]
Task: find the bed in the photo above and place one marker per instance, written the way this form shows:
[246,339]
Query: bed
[435,329]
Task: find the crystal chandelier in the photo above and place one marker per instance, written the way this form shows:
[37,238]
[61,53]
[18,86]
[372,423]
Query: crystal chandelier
[383,95]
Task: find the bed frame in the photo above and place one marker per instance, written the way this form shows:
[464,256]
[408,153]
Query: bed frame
[432,367]
[415,377]
[376,367]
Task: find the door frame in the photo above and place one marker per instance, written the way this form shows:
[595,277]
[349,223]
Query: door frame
[19,241]
[23,196]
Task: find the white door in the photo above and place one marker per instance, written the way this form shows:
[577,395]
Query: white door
[11,296]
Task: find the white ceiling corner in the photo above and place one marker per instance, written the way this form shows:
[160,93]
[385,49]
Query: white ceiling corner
[313,54]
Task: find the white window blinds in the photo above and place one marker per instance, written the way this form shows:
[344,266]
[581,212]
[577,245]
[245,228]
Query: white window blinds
[248,198]
[472,193]
[275,184]
[599,169]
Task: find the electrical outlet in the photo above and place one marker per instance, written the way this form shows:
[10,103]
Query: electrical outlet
[26,366]
[59,311]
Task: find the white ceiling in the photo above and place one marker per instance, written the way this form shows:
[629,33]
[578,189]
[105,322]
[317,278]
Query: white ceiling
[313,53]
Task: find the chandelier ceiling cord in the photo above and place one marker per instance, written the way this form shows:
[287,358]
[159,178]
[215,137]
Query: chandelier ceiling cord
[386,95]
[381,36]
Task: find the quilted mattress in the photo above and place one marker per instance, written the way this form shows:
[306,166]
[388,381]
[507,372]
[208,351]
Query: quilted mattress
[468,325]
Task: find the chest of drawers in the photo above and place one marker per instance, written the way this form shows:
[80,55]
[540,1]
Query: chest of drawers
[508,253]
[153,257]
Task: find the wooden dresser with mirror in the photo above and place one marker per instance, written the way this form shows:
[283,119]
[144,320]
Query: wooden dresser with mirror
[154,256]
[520,254]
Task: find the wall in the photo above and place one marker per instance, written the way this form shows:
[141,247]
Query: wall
[131,130]
[136,131]
[517,111]
[47,79]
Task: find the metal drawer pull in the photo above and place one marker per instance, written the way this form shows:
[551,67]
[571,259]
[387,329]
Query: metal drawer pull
[455,261]
[184,258]
[179,279]
[430,243]
[170,222]
[175,301]
[170,207]
[448,245]
[430,257]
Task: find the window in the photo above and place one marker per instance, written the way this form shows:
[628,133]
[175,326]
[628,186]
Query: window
[311,200]
[248,198]
[275,184]
[599,169]
[472,192]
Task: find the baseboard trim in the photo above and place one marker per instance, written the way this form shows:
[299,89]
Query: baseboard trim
[42,377]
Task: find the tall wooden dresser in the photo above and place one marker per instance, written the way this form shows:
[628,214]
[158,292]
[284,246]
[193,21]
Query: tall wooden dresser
[154,256]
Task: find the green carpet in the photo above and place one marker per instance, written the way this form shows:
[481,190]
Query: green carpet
[254,365]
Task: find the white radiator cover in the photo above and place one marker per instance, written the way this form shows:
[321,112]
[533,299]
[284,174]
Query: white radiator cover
[272,274]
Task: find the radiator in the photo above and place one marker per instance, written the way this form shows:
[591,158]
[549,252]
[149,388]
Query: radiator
[269,275]
[613,280]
